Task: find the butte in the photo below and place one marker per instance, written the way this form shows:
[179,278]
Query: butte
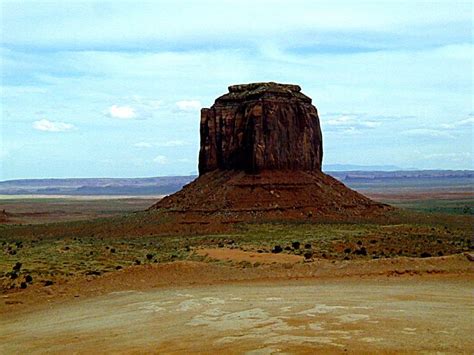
[260,158]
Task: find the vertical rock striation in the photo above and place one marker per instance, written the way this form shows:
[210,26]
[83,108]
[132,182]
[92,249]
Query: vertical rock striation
[261,126]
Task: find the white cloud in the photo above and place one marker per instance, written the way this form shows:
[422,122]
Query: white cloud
[457,124]
[172,143]
[51,126]
[188,105]
[427,132]
[350,123]
[121,112]
[161,159]
[143,145]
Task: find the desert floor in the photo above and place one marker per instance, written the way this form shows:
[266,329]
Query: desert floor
[120,284]
[380,306]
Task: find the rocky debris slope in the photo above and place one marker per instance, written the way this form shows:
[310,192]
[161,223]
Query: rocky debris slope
[261,154]
[272,194]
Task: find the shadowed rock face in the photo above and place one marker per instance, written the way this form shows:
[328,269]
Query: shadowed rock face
[261,126]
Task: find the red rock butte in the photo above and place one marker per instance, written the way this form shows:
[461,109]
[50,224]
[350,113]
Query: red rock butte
[260,157]
[261,126]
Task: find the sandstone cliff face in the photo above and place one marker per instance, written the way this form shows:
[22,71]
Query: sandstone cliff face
[261,126]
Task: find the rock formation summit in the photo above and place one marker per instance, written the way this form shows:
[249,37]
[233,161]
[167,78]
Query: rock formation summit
[261,126]
[260,157]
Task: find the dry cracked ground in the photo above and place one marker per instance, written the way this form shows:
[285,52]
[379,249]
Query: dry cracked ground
[428,314]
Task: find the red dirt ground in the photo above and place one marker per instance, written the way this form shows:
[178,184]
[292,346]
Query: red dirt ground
[270,194]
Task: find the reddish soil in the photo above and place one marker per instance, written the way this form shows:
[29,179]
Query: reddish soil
[270,194]
[185,273]
[236,255]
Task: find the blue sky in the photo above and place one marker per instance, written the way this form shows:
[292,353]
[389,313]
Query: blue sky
[114,88]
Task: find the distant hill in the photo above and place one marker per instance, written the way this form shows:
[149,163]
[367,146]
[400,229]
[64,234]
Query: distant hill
[407,179]
[351,167]
[102,186]
[359,180]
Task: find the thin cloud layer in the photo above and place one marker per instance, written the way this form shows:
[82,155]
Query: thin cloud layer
[52,126]
[189,105]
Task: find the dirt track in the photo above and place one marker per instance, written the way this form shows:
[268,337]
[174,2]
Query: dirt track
[410,314]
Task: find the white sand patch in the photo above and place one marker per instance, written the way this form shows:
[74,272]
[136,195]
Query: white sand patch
[315,326]
[188,305]
[321,309]
[213,300]
[354,317]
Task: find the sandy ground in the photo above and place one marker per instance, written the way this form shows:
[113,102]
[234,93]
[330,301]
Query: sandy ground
[380,306]
[237,255]
[410,315]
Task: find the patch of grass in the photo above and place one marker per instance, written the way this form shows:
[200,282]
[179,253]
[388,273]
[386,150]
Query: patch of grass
[457,207]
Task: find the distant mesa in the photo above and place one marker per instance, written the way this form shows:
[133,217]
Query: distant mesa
[260,156]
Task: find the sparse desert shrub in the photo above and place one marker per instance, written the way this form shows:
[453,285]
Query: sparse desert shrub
[347,250]
[112,250]
[308,255]
[48,282]
[118,267]
[93,273]
[17,266]
[149,256]
[307,246]
[425,255]
[295,245]
[287,248]
[361,251]
[277,249]
[28,278]
[137,262]
[23,285]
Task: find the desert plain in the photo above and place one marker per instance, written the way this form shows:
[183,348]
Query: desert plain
[95,274]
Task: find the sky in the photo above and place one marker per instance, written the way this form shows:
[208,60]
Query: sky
[114,88]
